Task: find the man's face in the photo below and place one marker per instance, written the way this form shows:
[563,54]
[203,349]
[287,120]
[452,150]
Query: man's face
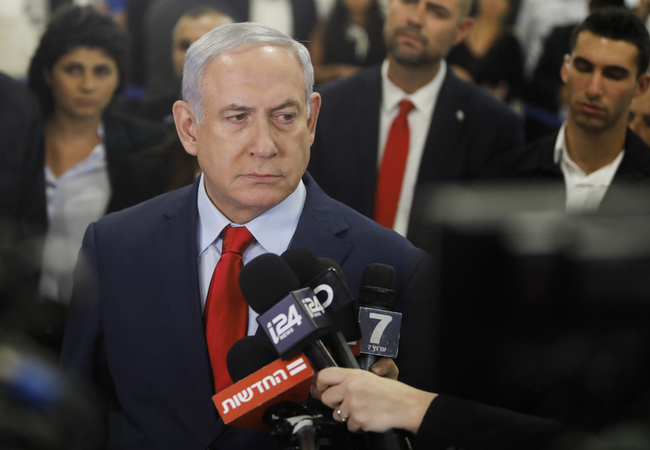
[639,116]
[253,142]
[421,32]
[187,31]
[601,80]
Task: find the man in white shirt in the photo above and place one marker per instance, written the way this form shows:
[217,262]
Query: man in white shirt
[594,148]
[455,128]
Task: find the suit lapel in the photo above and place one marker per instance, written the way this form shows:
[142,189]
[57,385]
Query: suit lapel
[366,117]
[443,141]
[636,161]
[320,223]
[176,242]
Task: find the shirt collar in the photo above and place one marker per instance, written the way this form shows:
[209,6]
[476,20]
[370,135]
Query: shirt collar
[560,145]
[603,175]
[424,99]
[272,229]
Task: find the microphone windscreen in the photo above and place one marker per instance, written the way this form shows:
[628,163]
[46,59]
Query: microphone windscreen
[378,286]
[304,264]
[265,281]
[326,263]
[248,355]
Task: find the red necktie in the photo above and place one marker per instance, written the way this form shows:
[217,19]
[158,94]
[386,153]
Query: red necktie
[226,310]
[393,164]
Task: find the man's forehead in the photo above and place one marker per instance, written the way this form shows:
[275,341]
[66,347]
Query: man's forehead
[246,66]
[604,51]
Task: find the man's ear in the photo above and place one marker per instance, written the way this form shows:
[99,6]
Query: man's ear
[565,67]
[186,125]
[464,27]
[642,85]
[314,109]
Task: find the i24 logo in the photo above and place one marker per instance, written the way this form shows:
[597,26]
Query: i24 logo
[313,307]
[282,325]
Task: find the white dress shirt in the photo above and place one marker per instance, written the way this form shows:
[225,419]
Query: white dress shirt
[583,192]
[74,200]
[419,119]
[272,230]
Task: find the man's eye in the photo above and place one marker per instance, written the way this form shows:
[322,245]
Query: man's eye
[582,66]
[615,74]
[238,117]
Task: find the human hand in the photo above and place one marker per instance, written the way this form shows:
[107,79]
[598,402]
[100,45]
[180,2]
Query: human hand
[371,403]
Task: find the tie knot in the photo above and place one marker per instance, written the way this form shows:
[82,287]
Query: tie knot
[405,107]
[236,239]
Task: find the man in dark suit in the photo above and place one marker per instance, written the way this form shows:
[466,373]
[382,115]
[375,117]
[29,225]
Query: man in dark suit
[136,326]
[594,148]
[455,127]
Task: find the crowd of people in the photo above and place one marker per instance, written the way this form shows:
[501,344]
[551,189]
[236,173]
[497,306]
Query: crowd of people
[142,138]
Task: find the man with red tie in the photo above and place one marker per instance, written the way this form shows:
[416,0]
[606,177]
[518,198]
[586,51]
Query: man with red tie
[156,304]
[388,130]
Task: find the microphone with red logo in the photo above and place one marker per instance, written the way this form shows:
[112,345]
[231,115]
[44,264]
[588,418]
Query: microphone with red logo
[292,318]
[324,277]
[262,380]
[269,394]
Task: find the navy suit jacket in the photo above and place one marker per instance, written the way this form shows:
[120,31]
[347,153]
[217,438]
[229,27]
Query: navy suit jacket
[469,128]
[135,328]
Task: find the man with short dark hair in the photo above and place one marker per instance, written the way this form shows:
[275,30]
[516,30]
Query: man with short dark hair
[595,148]
[454,128]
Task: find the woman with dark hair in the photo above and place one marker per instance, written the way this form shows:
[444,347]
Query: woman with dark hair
[351,38]
[77,70]
[490,55]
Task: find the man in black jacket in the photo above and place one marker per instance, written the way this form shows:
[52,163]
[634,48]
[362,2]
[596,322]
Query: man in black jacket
[594,148]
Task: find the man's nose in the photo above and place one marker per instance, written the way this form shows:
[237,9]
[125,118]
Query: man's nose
[595,87]
[263,142]
[416,16]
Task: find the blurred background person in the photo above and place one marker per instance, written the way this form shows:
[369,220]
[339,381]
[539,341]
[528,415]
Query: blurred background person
[490,55]
[545,89]
[193,24]
[22,184]
[535,20]
[21,24]
[168,166]
[350,38]
[639,116]
[76,71]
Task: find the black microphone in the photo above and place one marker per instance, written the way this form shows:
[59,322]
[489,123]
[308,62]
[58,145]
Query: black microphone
[292,318]
[248,355]
[380,329]
[380,325]
[335,297]
[276,396]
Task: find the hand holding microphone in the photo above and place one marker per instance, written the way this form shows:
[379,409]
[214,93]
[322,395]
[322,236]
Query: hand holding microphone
[371,403]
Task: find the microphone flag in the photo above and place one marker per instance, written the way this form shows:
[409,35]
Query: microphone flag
[244,403]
